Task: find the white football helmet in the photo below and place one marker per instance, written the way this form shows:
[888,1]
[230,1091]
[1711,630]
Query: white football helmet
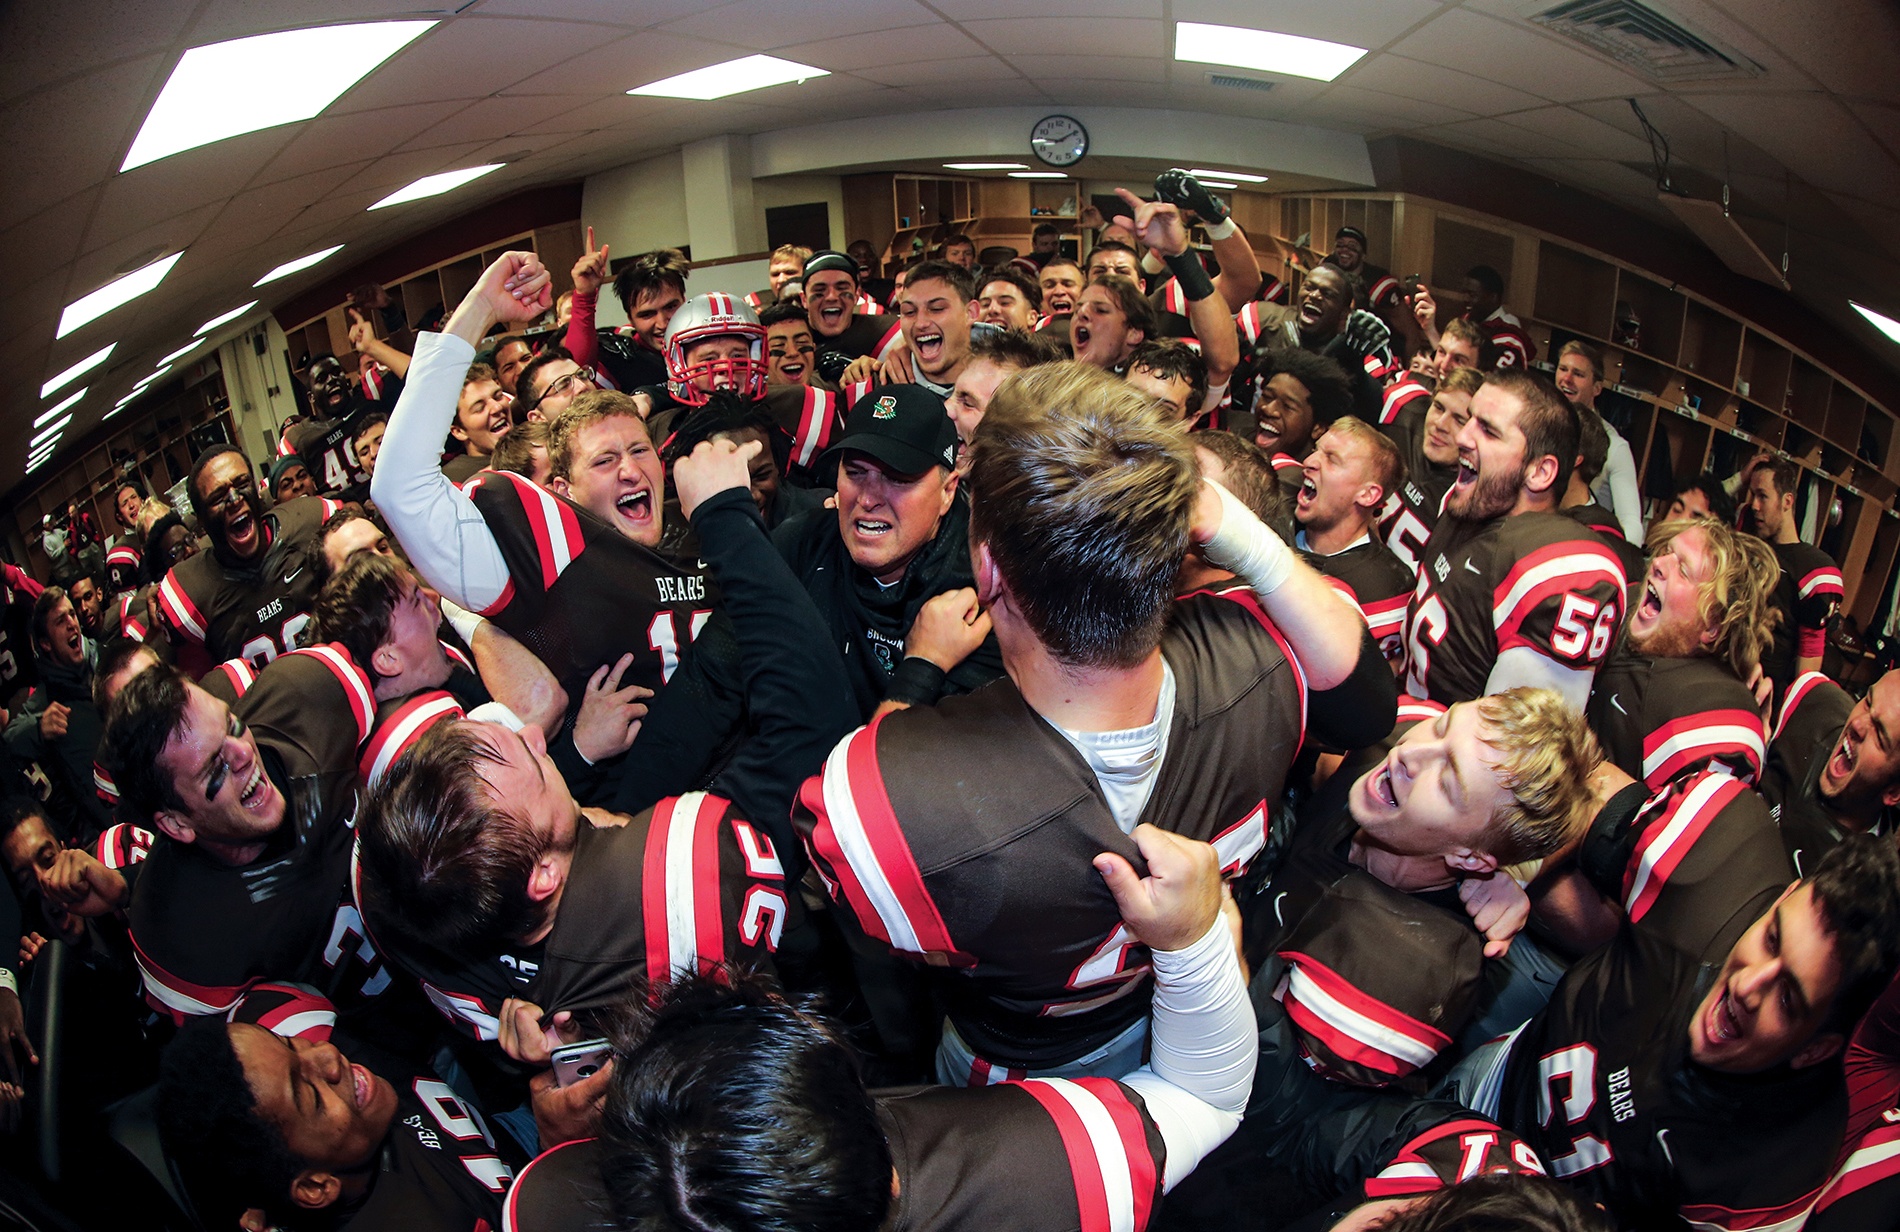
[700,319]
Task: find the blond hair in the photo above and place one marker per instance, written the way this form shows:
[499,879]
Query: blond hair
[1465,381]
[1546,756]
[1387,465]
[583,412]
[794,251]
[1738,596]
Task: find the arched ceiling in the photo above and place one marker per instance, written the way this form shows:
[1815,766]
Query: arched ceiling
[1810,145]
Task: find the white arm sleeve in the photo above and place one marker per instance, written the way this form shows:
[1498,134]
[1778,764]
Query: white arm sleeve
[1248,546]
[1202,1050]
[1616,488]
[435,521]
[1520,665]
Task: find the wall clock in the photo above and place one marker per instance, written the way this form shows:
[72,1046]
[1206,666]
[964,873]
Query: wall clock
[1059,140]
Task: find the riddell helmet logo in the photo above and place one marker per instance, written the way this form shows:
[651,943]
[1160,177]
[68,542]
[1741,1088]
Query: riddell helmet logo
[885,408]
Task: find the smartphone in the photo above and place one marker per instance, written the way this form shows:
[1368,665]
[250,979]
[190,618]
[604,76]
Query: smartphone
[579,1060]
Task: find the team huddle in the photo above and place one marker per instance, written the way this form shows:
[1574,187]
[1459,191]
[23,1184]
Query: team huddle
[1090,748]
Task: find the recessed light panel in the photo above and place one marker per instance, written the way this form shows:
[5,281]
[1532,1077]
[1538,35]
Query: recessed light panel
[78,370]
[50,431]
[1879,320]
[1245,177]
[300,264]
[65,404]
[732,77]
[181,352]
[435,185]
[148,380]
[224,89]
[986,166]
[1263,50]
[119,291]
[1038,175]
[216,321]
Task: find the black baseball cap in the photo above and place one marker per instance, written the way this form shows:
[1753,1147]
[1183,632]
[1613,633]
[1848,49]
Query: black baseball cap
[832,259]
[903,426]
[1354,233]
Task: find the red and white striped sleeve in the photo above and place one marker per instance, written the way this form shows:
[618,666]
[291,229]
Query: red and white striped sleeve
[1105,1137]
[1733,737]
[1864,1191]
[1803,687]
[888,343]
[181,615]
[1670,834]
[353,680]
[818,421]
[860,850]
[1399,395]
[1347,1023]
[1817,594]
[683,890]
[123,845]
[398,731]
[289,1010]
[177,997]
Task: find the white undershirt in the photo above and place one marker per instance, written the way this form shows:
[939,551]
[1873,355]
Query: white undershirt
[1127,762]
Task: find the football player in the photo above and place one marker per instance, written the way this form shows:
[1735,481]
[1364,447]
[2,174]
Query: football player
[323,439]
[1347,477]
[253,803]
[1426,433]
[1579,378]
[1297,394]
[1208,307]
[1509,591]
[248,597]
[1672,696]
[786,1136]
[1833,764]
[651,288]
[785,267]
[1174,375]
[487,880]
[1009,299]
[1122,705]
[1810,588]
[271,1124]
[574,573]
[838,320]
[994,357]
[935,309]
[1326,323]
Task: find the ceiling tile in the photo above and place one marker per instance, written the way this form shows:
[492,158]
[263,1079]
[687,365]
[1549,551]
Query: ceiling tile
[230,19]
[41,244]
[458,59]
[611,12]
[1493,135]
[1850,48]
[970,10]
[884,47]
[333,140]
[1409,78]
[1517,56]
[1573,134]
[1095,36]
[766,24]
[258,214]
[396,169]
[965,70]
[1790,128]
[45,163]
[1091,68]
[490,119]
[45,42]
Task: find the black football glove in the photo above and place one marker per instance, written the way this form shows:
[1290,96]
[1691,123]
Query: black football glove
[1178,188]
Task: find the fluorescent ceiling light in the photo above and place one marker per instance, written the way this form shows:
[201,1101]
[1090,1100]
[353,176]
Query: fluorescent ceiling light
[66,404]
[732,77]
[120,404]
[301,263]
[216,321]
[1245,177]
[77,370]
[986,166]
[224,89]
[1879,320]
[1263,50]
[118,291]
[181,352]
[435,185]
[1038,175]
[49,431]
[1217,184]
[140,387]
[40,455]
[35,463]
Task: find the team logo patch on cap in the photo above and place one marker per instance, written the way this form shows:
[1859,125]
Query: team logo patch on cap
[885,408]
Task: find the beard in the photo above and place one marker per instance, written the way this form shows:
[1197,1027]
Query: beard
[1667,641]
[1490,497]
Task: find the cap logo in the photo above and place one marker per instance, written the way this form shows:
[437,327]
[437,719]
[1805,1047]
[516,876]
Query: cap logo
[884,408]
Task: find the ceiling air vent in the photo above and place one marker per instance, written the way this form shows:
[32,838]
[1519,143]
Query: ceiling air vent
[1229,81]
[1641,38]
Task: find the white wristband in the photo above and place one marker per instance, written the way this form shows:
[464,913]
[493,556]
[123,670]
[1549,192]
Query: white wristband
[463,621]
[1248,547]
[1220,230]
[8,982]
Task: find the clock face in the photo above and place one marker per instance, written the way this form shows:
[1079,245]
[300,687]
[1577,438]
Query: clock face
[1059,140]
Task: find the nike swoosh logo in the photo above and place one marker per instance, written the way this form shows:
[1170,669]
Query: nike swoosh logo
[1474,568]
[702,564]
[1619,706]
[293,573]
